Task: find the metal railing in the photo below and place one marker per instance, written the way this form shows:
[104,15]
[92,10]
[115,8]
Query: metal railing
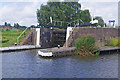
[70,35]
[68,22]
[21,35]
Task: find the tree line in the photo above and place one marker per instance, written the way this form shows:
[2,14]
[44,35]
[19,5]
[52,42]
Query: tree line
[65,12]
[16,25]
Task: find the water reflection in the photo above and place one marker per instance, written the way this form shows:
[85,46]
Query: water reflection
[0,66]
[27,64]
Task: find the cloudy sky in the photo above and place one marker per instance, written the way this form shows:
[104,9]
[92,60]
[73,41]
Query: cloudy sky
[24,12]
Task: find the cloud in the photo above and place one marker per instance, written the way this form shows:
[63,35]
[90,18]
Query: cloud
[22,13]
[98,0]
[41,1]
[107,10]
[60,0]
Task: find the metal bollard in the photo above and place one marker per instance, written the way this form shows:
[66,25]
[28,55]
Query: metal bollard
[58,46]
[15,44]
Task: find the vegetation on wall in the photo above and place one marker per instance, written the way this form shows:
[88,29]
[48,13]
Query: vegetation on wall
[85,45]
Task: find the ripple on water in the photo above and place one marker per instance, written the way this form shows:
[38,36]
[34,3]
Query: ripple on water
[27,64]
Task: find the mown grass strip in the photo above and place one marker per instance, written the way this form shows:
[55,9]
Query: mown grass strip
[11,36]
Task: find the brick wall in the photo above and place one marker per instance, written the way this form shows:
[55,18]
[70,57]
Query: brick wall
[30,39]
[52,38]
[100,34]
[48,37]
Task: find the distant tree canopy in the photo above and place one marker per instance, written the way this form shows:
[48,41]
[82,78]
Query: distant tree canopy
[16,25]
[62,11]
[100,21]
[7,24]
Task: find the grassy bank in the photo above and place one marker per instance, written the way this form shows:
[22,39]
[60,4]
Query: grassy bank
[9,37]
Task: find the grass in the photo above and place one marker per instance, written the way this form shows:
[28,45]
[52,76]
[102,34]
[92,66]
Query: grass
[9,37]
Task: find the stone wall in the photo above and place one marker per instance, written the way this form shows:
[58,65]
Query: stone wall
[100,34]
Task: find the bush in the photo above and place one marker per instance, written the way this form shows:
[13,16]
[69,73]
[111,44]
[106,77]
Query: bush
[7,29]
[113,42]
[107,42]
[86,45]
[4,40]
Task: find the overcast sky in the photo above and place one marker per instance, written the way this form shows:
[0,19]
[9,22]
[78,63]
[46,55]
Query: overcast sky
[24,13]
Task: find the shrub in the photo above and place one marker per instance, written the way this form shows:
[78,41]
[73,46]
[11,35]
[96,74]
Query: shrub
[107,42]
[86,45]
[113,42]
[7,29]
[4,40]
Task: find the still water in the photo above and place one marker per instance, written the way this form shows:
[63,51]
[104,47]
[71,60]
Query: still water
[27,64]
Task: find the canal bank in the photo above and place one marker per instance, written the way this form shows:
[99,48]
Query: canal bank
[54,52]
[18,48]
[63,51]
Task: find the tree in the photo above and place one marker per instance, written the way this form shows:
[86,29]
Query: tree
[5,23]
[16,25]
[62,11]
[100,21]
[32,26]
[9,24]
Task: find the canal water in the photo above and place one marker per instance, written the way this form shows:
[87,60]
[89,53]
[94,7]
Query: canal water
[27,64]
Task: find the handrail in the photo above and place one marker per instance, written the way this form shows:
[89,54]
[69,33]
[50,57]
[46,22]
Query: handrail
[70,22]
[21,34]
[70,35]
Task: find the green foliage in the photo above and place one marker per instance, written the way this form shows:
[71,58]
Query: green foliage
[7,30]
[62,11]
[16,25]
[100,21]
[0,29]
[4,39]
[113,42]
[97,53]
[10,37]
[86,45]
[7,24]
